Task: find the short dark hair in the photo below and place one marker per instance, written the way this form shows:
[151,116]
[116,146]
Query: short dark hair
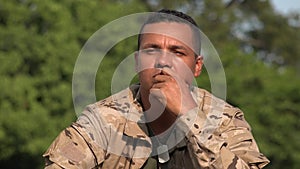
[166,15]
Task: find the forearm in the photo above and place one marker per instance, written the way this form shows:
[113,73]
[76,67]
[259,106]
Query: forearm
[217,142]
[204,156]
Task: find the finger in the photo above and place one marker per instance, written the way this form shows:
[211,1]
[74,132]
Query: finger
[168,71]
[162,78]
[158,85]
[175,76]
[158,94]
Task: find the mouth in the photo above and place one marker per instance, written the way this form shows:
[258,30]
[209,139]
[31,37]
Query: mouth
[158,72]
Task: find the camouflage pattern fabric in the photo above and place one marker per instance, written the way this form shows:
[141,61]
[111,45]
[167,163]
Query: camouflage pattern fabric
[111,134]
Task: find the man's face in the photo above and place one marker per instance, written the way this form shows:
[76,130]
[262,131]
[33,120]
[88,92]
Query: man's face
[169,45]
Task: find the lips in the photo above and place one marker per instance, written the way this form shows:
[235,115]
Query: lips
[158,72]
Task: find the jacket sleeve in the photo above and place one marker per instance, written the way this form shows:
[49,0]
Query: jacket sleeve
[221,140]
[75,147]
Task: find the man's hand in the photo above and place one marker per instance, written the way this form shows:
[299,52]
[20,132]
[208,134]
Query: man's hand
[172,91]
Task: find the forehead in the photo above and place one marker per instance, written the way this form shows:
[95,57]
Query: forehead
[176,31]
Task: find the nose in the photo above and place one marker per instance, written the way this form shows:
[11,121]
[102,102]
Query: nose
[164,59]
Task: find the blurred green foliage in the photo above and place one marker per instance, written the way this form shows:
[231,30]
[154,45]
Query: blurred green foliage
[41,40]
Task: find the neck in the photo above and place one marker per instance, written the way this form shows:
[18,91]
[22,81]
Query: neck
[162,123]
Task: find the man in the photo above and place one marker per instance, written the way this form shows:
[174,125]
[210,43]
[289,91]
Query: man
[165,121]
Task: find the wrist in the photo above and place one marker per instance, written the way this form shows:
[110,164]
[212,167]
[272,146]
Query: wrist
[187,105]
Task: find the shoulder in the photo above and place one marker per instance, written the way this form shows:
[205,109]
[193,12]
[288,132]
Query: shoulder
[120,101]
[112,110]
[209,102]
[216,108]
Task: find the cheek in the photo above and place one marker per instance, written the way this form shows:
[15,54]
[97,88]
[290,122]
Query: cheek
[145,63]
[145,75]
[185,69]
[145,78]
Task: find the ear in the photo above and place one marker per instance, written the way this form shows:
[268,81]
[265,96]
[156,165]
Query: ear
[137,64]
[198,66]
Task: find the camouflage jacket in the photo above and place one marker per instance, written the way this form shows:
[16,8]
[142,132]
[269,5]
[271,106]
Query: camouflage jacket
[112,133]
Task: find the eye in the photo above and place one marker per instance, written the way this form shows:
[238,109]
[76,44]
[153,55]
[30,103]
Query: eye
[179,53]
[151,51]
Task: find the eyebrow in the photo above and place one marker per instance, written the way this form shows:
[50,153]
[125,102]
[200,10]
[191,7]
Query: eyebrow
[156,46]
[176,47]
[151,45]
